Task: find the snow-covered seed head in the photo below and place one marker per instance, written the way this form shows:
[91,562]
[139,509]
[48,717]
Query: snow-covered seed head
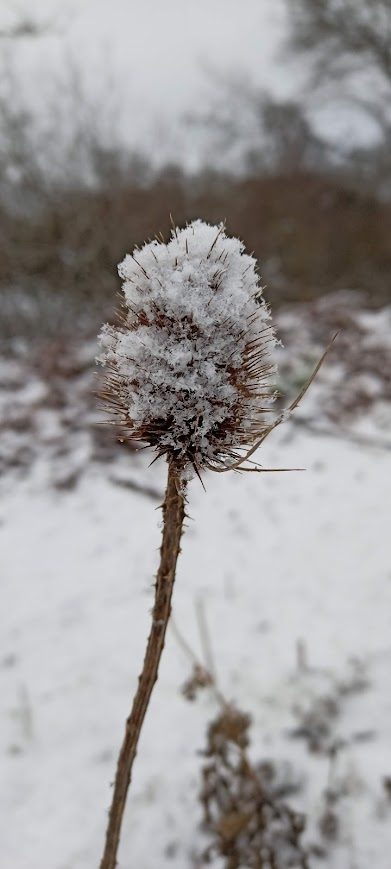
[190,363]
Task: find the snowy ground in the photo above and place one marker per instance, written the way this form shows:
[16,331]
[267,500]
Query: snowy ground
[293,572]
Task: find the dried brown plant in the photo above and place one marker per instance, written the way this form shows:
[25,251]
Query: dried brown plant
[188,374]
[244,808]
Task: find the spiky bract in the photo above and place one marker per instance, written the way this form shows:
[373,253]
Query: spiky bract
[190,361]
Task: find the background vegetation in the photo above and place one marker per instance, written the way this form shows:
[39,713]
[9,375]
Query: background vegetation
[317,214]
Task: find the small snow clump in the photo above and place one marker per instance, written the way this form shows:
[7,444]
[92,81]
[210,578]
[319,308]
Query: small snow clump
[189,363]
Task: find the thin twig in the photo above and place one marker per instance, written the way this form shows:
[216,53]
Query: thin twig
[281,418]
[173,516]
[205,638]
[183,642]
[193,657]
[148,491]
[343,434]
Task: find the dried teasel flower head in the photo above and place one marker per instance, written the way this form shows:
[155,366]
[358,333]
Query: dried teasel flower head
[189,365]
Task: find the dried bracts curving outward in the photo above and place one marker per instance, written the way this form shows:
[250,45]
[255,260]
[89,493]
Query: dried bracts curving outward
[190,364]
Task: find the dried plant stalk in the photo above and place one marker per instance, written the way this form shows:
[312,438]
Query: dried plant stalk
[188,373]
[173,516]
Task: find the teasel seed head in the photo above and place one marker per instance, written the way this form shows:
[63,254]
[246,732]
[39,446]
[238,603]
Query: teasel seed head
[189,366]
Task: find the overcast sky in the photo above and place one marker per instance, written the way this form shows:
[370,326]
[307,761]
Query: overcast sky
[154,60]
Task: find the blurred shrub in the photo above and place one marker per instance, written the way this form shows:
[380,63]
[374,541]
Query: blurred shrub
[74,201]
[311,235]
[347,48]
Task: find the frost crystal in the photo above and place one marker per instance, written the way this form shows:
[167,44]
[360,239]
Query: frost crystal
[189,364]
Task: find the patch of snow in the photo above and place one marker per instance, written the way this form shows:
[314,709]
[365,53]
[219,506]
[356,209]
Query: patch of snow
[277,560]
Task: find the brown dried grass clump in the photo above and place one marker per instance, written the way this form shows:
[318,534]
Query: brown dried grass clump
[311,235]
[244,805]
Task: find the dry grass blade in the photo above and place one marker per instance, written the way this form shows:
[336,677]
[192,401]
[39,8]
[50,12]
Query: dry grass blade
[245,812]
[238,465]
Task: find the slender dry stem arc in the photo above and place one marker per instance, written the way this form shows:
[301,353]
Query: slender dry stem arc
[173,516]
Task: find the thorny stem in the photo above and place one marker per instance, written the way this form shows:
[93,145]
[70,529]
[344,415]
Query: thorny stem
[173,516]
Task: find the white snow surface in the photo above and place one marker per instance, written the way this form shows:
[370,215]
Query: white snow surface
[281,562]
[196,326]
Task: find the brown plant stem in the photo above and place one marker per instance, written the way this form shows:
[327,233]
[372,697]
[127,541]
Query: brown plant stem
[173,516]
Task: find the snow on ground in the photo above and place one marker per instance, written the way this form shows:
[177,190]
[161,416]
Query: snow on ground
[294,573]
